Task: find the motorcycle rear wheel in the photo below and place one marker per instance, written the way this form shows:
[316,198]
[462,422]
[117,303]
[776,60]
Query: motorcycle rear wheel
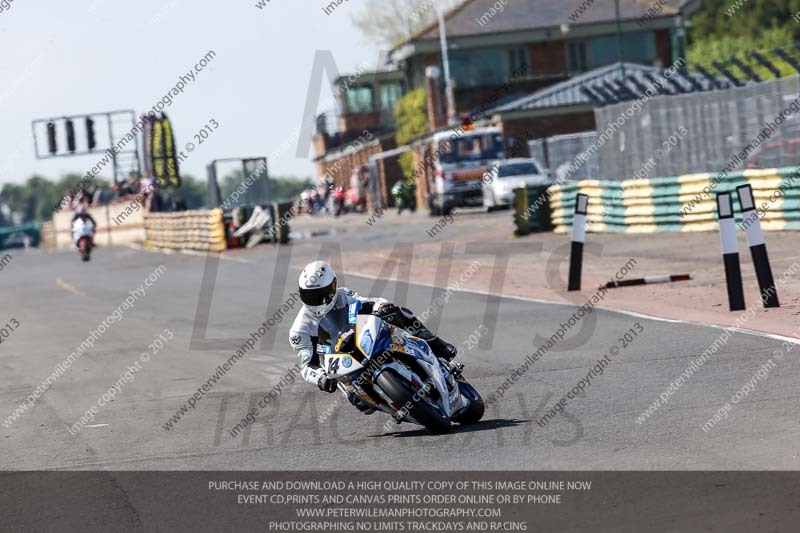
[401,393]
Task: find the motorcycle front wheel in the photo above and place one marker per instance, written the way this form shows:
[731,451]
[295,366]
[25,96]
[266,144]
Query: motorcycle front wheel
[405,397]
[85,249]
[476,409]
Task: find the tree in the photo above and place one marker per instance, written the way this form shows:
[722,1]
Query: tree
[721,48]
[192,192]
[391,22]
[749,19]
[411,115]
[32,201]
[721,29]
[284,188]
[288,188]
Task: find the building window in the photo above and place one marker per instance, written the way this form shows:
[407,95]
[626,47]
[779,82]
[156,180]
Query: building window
[518,64]
[390,94]
[639,47]
[576,57]
[359,99]
[486,66]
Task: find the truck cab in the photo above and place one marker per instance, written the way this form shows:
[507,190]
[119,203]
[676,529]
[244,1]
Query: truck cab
[460,160]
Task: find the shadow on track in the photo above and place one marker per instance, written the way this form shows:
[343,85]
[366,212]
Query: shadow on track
[483,425]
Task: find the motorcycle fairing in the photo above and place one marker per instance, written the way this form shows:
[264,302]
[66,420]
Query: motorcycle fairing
[401,341]
[375,337]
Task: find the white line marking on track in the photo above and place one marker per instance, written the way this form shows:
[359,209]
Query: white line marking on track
[634,314]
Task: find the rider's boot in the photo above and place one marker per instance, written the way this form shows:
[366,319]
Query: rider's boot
[439,347]
[442,349]
[360,404]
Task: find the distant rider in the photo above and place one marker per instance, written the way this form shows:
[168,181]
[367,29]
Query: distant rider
[321,295]
[82,214]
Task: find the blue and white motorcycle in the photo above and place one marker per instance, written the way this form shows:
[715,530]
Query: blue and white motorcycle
[392,371]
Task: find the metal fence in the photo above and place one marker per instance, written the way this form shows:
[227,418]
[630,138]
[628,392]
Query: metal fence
[720,129]
[559,151]
[687,133]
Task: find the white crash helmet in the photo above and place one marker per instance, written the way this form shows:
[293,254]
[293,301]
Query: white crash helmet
[317,288]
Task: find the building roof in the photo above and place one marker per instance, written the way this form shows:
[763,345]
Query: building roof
[570,93]
[520,15]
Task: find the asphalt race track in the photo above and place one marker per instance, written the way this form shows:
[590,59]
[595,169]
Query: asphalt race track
[58,301]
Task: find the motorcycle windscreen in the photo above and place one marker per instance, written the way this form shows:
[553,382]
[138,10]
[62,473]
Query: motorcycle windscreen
[335,323]
[372,334]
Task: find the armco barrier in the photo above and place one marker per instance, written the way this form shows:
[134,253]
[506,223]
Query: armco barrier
[190,230]
[678,204]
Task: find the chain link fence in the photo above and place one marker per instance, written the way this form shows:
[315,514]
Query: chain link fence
[721,127]
[559,151]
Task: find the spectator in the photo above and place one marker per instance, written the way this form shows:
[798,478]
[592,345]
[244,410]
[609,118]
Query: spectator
[324,189]
[358,184]
[147,190]
[373,186]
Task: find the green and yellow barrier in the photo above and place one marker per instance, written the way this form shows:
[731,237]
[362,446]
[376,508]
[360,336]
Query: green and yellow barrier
[677,204]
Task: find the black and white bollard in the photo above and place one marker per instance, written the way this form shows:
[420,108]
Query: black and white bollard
[758,247]
[730,251]
[578,238]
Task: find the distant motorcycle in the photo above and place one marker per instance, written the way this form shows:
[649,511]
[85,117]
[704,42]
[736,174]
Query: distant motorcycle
[389,370]
[308,201]
[83,237]
[404,196]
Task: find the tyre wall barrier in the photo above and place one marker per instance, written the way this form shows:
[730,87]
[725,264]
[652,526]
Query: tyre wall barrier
[202,231]
[677,204]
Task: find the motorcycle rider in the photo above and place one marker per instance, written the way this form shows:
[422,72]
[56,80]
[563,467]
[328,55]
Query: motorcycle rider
[82,214]
[320,294]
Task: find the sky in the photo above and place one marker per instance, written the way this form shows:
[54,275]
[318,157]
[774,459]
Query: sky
[80,56]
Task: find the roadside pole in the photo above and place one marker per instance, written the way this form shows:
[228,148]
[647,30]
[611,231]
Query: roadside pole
[578,239]
[730,251]
[758,247]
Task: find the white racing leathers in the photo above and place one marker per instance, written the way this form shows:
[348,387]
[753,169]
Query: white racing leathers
[305,331]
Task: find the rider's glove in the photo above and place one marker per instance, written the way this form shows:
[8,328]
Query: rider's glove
[390,313]
[327,384]
[385,309]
